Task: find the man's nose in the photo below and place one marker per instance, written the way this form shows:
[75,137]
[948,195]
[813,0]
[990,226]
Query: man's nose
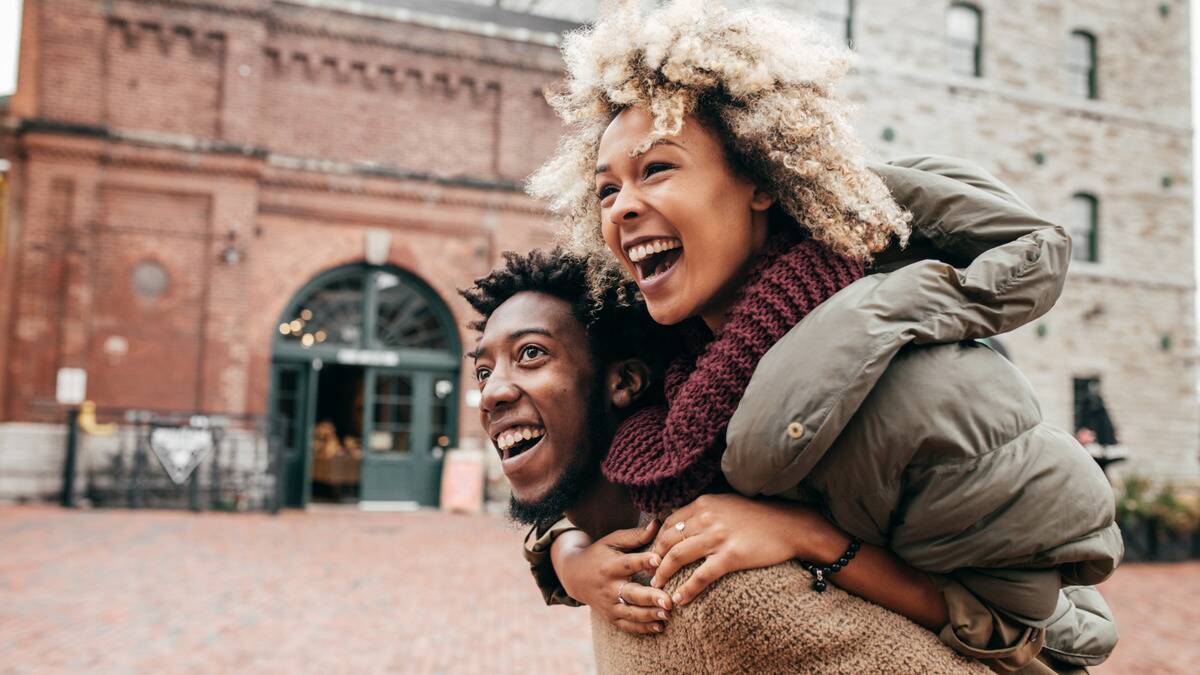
[498,390]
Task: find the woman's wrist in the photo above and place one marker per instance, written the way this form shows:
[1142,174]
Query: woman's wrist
[819,541]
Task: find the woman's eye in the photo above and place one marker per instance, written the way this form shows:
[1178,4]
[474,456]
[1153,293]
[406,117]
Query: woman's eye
[606,191]
[529,353]
[482,374]
[657,167]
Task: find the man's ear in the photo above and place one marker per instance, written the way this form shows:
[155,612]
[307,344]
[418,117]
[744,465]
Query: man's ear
[627,380]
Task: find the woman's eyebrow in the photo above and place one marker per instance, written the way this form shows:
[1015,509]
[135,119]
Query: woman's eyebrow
[603,168]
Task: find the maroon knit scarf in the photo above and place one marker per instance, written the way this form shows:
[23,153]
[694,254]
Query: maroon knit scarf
[667,455]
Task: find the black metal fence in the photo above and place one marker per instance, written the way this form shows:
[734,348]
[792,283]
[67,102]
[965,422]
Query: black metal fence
[153,459]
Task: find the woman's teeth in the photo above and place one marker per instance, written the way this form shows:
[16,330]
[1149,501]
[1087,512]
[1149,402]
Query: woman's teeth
[642,251]
[517,434]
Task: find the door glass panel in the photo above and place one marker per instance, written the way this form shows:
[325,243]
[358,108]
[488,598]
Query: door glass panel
[393,413]
[287,393]
[439,415]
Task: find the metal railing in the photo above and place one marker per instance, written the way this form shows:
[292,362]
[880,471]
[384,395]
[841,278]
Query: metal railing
[155,459]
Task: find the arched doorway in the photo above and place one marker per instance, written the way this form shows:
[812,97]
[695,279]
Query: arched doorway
[364,388]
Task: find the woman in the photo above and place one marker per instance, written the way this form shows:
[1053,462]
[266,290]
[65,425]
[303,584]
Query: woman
[709,157]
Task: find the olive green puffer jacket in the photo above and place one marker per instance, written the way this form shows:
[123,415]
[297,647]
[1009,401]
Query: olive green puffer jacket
[881,407]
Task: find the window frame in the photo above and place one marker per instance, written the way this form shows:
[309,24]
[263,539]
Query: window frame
[952,41]
[845,20]
[1092,68]
[1093,241]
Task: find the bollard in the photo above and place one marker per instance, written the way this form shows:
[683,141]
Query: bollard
[68,488]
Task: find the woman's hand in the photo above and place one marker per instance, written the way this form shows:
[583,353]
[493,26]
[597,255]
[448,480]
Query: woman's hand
[732,533]
[599,576]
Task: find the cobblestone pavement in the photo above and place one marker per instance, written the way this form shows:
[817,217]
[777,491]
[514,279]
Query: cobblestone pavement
[349,592]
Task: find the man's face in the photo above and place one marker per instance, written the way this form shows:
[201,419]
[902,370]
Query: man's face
[539,388]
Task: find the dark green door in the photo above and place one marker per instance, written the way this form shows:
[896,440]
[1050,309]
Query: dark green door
[293,391]
[411,423]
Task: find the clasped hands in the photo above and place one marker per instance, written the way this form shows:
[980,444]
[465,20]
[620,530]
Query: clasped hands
[728,532]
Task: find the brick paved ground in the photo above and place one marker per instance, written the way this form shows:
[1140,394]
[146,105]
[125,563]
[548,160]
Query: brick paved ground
[348,592]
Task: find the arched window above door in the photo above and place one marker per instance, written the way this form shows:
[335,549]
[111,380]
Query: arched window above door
[367,307]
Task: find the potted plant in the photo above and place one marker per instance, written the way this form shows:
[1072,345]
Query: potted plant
[1133,517]
[1174,520]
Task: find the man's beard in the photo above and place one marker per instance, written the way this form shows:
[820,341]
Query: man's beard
[578,476]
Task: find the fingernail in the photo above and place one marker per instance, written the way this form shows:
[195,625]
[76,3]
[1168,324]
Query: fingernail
[650,526]
[662,615]
[676,598]
[654,561]
[662,603]
[657,628]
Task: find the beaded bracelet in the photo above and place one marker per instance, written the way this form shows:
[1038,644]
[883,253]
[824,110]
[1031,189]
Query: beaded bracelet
[822,571]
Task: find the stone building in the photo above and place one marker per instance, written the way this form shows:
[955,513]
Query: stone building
[1083,107]
[264,207]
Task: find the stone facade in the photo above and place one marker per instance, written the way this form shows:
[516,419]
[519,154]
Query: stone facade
[1127,319]
[173,130]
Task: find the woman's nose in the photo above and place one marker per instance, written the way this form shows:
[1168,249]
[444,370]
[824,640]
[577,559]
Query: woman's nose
[627,207]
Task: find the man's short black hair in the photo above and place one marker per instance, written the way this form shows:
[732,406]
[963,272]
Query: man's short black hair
[616,321]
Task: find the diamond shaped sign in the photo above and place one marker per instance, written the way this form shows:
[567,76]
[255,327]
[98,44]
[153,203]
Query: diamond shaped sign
[181,449]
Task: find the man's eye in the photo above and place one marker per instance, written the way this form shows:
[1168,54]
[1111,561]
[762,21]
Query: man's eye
[482,374]
[529,353]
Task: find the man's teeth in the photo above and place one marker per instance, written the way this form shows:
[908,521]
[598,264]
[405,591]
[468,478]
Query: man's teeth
[642,251]
[517,434]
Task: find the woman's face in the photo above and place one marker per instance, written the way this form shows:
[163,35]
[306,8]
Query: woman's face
[677,217]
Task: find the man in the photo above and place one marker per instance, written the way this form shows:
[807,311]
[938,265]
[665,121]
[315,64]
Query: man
[558,371]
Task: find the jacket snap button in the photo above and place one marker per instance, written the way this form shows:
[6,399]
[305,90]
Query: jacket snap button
[796,430]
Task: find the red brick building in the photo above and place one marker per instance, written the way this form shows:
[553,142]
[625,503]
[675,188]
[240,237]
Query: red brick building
[264,207]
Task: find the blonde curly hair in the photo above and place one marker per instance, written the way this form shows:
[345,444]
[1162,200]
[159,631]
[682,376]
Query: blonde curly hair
[762,83]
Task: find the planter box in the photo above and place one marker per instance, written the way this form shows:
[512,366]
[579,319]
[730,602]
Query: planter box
[1138,534]
[1171,546]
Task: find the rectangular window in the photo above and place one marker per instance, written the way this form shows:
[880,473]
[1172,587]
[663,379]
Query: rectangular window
[1081,64]
[1083,226]
[1085,389]
[964,34]
[837,18]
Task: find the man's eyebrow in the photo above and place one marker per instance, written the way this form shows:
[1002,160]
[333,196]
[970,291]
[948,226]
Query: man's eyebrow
[530,331]
[477,352]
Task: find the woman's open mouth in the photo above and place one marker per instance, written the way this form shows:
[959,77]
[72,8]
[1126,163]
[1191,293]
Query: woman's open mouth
[518,440]
[654,258]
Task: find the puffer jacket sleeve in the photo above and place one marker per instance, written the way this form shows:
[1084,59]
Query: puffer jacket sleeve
[537,553]
[998,267]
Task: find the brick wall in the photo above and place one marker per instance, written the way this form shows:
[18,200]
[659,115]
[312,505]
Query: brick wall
[161,132]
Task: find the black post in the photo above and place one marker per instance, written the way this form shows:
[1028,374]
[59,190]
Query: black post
[68,488]
[194,490]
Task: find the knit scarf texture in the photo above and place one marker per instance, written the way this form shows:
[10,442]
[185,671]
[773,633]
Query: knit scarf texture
[667,455]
